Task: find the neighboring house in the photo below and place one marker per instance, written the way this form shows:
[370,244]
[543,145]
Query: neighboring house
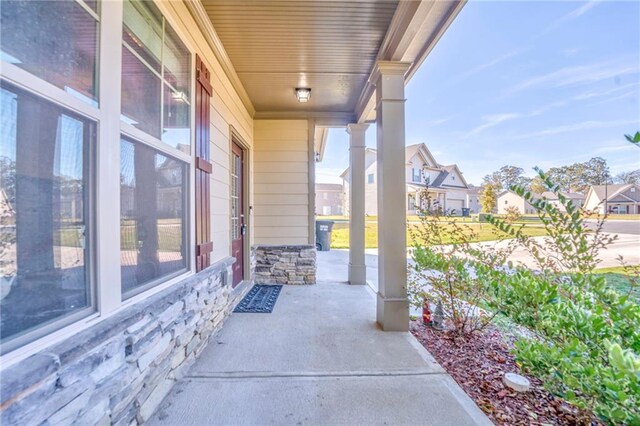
[510,199]
[329,199]
[445,185]
[576,198]
[615,199]
[190,131]
[473,199]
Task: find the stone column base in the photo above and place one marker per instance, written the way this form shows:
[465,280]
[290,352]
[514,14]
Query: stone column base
[286,264]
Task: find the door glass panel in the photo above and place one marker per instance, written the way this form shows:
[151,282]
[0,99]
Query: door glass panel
[235,206]
[44,186]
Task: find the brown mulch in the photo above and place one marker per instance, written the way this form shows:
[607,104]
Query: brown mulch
[478,365]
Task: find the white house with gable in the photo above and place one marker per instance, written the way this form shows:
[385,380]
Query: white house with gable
[445,185]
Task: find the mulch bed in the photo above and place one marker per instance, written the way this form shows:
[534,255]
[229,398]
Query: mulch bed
[478,365]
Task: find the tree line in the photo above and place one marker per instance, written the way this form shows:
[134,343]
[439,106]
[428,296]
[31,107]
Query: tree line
[576,177]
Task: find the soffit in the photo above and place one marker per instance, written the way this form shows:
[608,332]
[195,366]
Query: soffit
[275,46]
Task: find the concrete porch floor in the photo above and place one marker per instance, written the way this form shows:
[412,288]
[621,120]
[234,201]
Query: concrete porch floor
[319,358]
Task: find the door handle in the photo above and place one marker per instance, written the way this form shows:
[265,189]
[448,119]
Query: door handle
[243,229]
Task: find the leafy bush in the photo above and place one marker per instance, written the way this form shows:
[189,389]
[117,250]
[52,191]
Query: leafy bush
[587,335]
[448,269]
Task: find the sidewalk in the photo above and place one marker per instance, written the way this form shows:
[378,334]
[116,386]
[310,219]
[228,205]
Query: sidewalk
[319,358]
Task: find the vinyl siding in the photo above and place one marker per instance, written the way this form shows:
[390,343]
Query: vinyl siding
[281,204]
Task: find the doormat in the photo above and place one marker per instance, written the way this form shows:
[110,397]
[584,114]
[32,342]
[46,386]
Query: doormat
[260,299]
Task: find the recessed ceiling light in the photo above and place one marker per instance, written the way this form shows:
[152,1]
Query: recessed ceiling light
[303,94]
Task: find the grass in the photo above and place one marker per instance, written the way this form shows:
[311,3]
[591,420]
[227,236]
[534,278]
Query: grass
[485,232]
[620,279]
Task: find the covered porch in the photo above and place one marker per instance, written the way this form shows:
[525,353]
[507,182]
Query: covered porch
[249,87]
[319,358]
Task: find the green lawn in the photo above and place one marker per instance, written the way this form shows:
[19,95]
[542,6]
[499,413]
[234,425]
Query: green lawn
[484,231]
[618,278]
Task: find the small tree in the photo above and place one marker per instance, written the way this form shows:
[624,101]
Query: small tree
[513,214]
[489,197]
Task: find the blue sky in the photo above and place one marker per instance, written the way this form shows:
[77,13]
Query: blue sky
[525,83]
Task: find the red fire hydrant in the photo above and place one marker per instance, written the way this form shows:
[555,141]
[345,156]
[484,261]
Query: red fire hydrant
[426,312]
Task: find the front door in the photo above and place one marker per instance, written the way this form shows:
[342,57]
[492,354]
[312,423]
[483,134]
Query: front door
[238,227]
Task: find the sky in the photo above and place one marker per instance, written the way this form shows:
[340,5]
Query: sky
[523,83]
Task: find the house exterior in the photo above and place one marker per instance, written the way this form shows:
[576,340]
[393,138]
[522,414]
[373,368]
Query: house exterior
[510,199]
[473,199]
[329,199]
[157,160]
[445,185]
[613,199]
[575,197]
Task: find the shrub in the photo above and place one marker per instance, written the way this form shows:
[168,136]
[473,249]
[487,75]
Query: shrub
[587,335]
[512,214]
[448,269]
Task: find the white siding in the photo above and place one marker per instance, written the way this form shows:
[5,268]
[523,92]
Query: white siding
[281,204]
[510,199]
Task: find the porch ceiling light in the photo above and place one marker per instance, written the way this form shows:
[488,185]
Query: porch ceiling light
[303,94]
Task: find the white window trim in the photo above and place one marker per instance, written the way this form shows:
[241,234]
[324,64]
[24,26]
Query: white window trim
[105,283]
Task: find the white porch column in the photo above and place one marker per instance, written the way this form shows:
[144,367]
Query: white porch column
[357,267]
[392,306]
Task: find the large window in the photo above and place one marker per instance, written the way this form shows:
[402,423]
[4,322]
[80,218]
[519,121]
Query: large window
[59,255]
[45,169]
[54,40]
[152,224]
[155,76]
[155,99]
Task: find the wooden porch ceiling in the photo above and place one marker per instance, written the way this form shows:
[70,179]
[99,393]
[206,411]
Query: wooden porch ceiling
[270,47]
[276,46]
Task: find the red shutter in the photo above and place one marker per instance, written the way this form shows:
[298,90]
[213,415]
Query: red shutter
[203,167]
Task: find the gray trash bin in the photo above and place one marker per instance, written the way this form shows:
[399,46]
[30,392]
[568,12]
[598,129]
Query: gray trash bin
[323,234]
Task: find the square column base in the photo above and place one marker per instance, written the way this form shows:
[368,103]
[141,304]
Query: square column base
[357,274]
[392,314]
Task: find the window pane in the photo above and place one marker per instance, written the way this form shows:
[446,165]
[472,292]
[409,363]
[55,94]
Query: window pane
[44,169]
[176,120]
[152,216]
[140,95]
[55,40]
[177,63]
[156,76]
[142,31]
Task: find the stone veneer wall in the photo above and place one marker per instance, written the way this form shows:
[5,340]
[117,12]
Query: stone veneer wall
[290,264]
[118,371]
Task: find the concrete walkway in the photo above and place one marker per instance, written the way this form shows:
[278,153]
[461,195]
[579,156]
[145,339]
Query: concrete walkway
[319,358]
